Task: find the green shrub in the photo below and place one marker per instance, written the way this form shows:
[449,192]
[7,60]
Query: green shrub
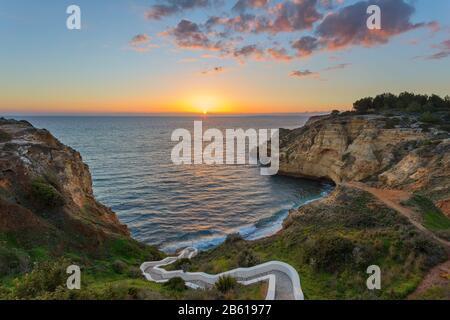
[182,264]
[4,136]
[335,112]
[13,261]
[45,195]
[247,259]
[428,117]
[226,284]
[430,252]
[330,254]
[233,238]
[119,266]
[176,284]
[135,273]
[414,107]
[45,278]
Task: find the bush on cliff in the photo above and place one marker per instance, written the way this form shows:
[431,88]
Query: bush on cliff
[428,117]
[247,259]
[330,254]
[13,260]
[119,266]
[182,264]
[45,278]
[233,238]
[4,136]
[226,284]
[176,284]
[44,195]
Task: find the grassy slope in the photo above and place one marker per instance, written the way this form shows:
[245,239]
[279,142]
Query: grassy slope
[331,246]
[45,236]
[112,273]
[432,217]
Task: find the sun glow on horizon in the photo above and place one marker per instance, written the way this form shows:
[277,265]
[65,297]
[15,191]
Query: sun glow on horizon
[205,104]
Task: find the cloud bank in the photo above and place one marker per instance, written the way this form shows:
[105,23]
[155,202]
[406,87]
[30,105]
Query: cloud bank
[285,30]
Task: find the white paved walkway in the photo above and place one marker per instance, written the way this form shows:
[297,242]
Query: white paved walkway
[284,281]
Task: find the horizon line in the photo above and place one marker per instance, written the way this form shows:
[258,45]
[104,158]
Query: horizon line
[155,114]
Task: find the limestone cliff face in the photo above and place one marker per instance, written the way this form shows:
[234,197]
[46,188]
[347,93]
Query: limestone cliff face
[45,187]
[355,148]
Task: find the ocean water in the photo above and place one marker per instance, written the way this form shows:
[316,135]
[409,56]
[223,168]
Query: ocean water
[176,206]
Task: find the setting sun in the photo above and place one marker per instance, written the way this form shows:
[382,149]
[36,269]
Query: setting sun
[205,104]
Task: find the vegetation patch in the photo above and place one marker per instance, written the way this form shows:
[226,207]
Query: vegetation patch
[176,284]
[4,136]
[248,259]
[44,195]
[433,218]
[428,117]
[225,284]
[429,110]
[332,245]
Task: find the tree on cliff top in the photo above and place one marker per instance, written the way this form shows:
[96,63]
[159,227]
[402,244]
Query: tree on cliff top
[405,101]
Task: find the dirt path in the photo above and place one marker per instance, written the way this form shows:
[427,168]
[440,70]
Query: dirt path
[438,276]
[393,199]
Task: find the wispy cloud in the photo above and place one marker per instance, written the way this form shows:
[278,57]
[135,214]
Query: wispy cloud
[338,67]
[252,51]
[213,71]
[279,54]
[170,7]
[141,43]
[317,75]
[444,51]
[304,74]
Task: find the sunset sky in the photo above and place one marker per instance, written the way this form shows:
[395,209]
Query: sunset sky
[219,56]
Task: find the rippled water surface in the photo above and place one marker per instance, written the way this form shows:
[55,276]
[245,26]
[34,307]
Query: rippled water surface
[173,206]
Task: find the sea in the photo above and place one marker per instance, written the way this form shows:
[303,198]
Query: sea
[175,206]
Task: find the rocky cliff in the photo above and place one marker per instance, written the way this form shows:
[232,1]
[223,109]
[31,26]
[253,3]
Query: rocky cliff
[372,217]
[46,191]
[387,152]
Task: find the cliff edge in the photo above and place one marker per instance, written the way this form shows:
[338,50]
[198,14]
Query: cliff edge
[45,186]
[49,219]
[392,181]
[384,152]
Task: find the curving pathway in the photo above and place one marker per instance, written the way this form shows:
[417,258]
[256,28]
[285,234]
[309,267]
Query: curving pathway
[284,281]
[393,199]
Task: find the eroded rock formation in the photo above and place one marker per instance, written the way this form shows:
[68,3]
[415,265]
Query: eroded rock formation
[369,148]
[46,190]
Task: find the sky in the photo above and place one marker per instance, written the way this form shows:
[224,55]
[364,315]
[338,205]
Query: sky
[217,56]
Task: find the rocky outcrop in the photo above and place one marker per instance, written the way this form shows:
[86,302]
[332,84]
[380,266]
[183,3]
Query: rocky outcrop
[45,188]
[370,148]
